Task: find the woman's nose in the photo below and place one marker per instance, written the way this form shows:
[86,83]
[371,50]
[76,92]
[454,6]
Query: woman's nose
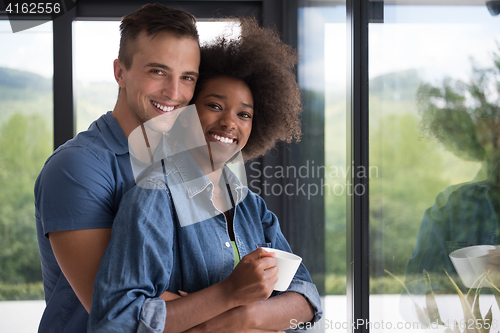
[228,120]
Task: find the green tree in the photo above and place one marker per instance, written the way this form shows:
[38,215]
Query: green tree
[410,175]
[465,117]
[25,144]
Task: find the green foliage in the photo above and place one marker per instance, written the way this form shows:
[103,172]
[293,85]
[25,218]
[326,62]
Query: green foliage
[25,143]
[24,93]
[410,176]
[21,291]
[20,81]
[336,285]
[335,200]
[464,117]
[93,100]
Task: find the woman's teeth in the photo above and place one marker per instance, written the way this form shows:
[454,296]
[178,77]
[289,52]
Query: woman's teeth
[164,108]
[222,138]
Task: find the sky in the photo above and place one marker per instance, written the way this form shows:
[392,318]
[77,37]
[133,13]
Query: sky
[95,47]
[438,41]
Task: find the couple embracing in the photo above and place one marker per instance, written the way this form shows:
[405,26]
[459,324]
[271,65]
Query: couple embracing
[142,226]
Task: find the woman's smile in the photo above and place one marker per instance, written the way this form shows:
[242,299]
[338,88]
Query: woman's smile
[222,138]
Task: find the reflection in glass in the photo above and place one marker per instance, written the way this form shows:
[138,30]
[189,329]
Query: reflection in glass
[433,138]
[322,79]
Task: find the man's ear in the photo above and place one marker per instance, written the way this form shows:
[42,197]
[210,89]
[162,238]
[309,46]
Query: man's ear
[119,69]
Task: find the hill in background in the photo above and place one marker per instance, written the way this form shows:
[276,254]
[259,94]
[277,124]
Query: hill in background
[28,93]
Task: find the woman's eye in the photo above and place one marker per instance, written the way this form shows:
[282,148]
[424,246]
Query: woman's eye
[246,115]
[215,106]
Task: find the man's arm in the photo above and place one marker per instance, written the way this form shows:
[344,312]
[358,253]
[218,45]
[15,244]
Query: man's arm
[78,253]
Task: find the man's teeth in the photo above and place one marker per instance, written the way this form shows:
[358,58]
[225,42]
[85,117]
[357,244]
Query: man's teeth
[222,139]
[164,108]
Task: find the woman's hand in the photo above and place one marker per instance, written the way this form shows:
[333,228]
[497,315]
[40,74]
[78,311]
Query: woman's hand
[253,279]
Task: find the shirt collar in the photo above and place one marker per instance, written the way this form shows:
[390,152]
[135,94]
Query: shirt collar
[194,179]
[113,134]
[141,168]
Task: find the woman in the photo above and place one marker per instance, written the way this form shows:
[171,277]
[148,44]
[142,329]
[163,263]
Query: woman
[174,230]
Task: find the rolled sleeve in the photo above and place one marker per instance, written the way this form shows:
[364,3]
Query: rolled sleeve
[135,269]
[310,293]
[153,314]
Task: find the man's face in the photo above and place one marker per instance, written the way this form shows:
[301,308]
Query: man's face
[161,79]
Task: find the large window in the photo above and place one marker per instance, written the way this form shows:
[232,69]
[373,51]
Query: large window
[322,79]
[25,143]
[433,121]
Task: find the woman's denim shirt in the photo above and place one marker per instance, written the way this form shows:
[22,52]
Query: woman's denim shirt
[151,251]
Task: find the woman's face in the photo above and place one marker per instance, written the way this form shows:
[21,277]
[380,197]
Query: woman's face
[225,109]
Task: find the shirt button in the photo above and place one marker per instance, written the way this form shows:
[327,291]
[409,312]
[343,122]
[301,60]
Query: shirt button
[227,244]
[208,189]
[216,212]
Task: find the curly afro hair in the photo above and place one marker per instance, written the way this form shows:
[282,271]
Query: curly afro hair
[266,64]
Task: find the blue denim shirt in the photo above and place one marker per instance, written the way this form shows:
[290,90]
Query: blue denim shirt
[80,187]
[150,252]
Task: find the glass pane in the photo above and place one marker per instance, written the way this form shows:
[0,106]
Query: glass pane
[434,119]
[26,140]
[322,79]
[96,46]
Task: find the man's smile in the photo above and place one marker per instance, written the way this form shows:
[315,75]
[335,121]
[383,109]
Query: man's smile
[164,108]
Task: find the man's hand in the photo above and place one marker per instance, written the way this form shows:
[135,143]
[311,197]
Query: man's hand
[253,279]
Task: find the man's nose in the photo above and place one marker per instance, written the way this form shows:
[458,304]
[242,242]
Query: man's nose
[171,89]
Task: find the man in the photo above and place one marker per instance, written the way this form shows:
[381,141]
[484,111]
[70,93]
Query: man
[78,191]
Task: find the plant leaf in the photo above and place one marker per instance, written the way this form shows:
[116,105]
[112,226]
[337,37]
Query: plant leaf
[475,306]
[468,314]
[421,314]
[496,291]
[487,320]
[430,302]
